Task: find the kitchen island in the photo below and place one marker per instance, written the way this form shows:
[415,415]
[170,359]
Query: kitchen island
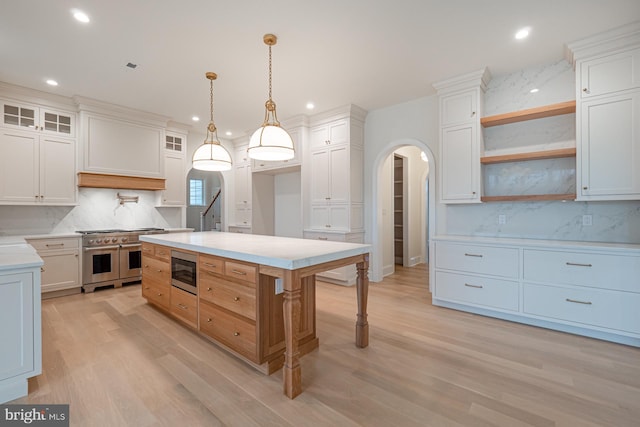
[232,266]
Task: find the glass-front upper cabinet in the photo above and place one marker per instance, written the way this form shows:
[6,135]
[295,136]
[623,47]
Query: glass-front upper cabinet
[41,119]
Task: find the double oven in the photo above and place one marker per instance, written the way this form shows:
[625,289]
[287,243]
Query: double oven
[112,257]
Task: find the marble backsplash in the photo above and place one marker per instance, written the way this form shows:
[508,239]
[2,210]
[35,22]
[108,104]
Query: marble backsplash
[98,208]
[616,221]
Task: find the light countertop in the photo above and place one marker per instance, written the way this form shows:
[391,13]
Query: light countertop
[15,253]
[560,244]
[281,252]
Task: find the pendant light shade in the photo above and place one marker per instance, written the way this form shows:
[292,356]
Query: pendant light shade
[211,155]
[271,141]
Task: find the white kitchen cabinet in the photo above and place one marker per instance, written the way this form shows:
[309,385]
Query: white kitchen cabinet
[20,334]
[608,114]
[174,193]
[345,276]
[460,164]
[333,133]
[38,118]
[609,150]
[609,73]
[335,177]
[460,101]
[585,288]
[37,169]
[61,272]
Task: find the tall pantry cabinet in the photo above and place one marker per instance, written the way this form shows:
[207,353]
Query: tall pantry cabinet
[334,181]
[608,114]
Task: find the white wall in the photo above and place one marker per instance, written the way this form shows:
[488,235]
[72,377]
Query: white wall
[288,204]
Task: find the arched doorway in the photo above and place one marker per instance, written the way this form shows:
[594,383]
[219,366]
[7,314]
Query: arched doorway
[202,187]
[380,214]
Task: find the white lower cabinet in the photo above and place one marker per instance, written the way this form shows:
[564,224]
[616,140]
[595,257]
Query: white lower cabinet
[20,333]
[61,272]
[345,276]
[584,288]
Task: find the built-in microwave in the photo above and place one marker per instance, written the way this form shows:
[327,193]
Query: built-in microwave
[183,271]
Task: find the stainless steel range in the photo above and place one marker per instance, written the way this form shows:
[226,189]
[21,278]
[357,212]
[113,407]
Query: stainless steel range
[112,257]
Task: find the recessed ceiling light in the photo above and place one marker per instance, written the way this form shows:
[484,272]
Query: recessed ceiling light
[228,133]
[52,82]
[523,33]
[195,118]
[310,106]
[80,16]
[534,90]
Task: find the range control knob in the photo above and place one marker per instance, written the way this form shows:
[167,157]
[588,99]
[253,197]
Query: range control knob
[91,241]
[124,239]
[115,239]
[98,241]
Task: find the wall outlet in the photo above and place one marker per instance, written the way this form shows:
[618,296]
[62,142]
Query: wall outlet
[587,220]
[502,219]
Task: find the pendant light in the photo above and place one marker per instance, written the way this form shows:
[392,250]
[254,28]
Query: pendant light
[271,141]
[211,155]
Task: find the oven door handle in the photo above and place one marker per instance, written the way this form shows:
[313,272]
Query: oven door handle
[100,248]
[132,245]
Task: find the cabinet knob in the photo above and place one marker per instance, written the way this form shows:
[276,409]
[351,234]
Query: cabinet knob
[236,334]
[42,269]
[328,225]
[159,294]
[236,299]
[587,91]
[208,289]
[208,319]
[473,192]
[473,113]
[585,188]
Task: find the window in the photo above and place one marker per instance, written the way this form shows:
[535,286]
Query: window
[196,192]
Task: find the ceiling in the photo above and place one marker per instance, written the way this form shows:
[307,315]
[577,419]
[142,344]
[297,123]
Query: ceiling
[331,52]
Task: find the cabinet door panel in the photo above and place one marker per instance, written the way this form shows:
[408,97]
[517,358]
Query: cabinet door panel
[610,147]
[175,188]
[57,170]
[320,176]
[17,355]
[610,74]
[19,167]
[339,174]
[458,108]
[60,270]
[460,161]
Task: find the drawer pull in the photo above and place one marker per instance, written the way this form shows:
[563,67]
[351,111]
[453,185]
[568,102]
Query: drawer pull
[146,287]
[242,273]
[208,264]
[208,319]
[473,286]
[473,255]
[54,245]
[236,334]
[322,238]
[159,294]
[236,298]
[576,264]
[182,306]
[578,301]
[208,289]
[159,271]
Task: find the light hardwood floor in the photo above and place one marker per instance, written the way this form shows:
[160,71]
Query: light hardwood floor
[119,362]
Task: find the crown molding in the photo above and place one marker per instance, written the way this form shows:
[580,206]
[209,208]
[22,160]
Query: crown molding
[618,38]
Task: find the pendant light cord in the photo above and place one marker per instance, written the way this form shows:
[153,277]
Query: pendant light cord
[269,72]
[211,92]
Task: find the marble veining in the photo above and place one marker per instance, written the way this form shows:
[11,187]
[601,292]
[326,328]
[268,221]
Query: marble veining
[98,208]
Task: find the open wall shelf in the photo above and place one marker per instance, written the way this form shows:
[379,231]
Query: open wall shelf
[530,114]
[533,155]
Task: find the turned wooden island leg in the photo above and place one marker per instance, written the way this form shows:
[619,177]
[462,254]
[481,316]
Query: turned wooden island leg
[292,305]
[362,284]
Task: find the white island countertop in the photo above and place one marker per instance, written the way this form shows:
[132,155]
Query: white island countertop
[281,252]
[15,253]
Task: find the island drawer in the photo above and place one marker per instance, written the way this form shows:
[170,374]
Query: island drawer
[235,332]
[162,252]
[156,269]
[157,293]
[235,297]
[476,290]
[184,306]
[596,307]
[617,272]
[245,272]
[211,264]
[492,260]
